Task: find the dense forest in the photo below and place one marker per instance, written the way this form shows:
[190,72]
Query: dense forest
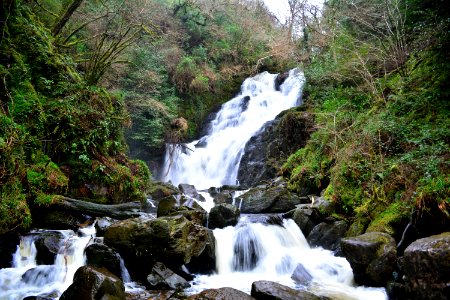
[84,85]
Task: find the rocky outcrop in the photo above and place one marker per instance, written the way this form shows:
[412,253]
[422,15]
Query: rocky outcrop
[92,284]
[372,257]
[327,235]
[274,198]
[223,215]
[270,146]
[265,290]
[102,224]
[102,256]
[427,267]
[225,293]
[188,208]
[162,278]
[190,191]
[142,242]
[47,246]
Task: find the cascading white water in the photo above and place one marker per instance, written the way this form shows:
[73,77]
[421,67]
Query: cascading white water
[26,278]
[254,251]
[214,159]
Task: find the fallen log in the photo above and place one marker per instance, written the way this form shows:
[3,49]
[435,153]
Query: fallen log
[115,211]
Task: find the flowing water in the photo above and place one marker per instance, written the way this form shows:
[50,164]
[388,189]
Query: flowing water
[214,159]
[252,250]
[26,278]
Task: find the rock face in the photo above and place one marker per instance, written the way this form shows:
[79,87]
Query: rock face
[205,263]
[91,284]
[427,267]
[265,290]
[223,215]
[268,199]
[162,278]
[142,242]
[47,246]
[265,151]
[327,235]
[225,293]
[372,257]
[102,256]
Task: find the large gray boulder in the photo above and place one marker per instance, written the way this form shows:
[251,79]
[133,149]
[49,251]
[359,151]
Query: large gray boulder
[268,199]
[162,278]
[372,257]
[268,290]
[427,267]
[142,242]
[92,284]
[327,235]
[223,215]
[225,293]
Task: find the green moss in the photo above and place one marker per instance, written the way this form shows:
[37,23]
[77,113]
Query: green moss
[391,219]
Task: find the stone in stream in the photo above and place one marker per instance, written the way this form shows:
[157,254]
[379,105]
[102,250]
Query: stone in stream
[173,241]
[223,215]
[301,275]
[162,278]
[268,290]
[306,218]
[190,191]
[225,293]
[327,235]
[372,257]
[47,246]
[91,284]
[427,267]
[205,263]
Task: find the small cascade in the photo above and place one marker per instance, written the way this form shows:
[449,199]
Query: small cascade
[214,159]
[254,251]
[26,278]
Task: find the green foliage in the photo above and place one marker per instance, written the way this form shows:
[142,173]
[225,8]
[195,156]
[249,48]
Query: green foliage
[382,119]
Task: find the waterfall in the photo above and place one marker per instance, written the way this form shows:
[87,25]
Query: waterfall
[213,160]
[26,278]
[253,251]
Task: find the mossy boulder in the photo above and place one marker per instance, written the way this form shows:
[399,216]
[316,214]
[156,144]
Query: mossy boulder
[171,240]
[392,220]
[427,267]
[90,283]
[372,257]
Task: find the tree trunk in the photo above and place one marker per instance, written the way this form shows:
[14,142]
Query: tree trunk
[115,211]
[69,12]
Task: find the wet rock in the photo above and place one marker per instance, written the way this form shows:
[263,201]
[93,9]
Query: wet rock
[223,197]
[190,191]
[275,199]
[372,257]
[190,210]
[102,256]
[279,80]
[324,206]
[306,218]
[142,242]
[92,284]
[162,278]
[205,263]
[301,275]
[102,224]
[225,293]
[223,215]
[265,290]
[327,235]
[40,275]
[47,246]
[8,245]
[427,267]
[166,206]
[159,190]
